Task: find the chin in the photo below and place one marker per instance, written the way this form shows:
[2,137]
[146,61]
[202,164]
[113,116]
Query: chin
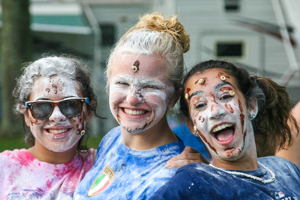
[133,130]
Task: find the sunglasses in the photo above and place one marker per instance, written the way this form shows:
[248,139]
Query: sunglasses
[68,107]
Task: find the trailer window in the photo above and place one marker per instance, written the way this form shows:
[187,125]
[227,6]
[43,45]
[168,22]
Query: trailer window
[227,49]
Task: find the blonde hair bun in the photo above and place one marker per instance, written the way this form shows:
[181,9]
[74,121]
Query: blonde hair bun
[172,26]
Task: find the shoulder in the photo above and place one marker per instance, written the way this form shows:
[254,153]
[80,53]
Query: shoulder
[279,164]
[8,154]
[185,184]
[275,161]
[194,172]
[109,139]
[14,159]
[195,168]
[113,133]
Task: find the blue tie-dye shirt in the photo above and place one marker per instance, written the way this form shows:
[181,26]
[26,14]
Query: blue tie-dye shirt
[200,181]
[123,173]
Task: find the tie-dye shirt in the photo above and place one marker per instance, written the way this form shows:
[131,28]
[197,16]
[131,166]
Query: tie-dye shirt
[24,177]
[123,173]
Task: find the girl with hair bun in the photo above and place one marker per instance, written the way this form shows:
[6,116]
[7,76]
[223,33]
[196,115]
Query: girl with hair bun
[231,111]
[144,76]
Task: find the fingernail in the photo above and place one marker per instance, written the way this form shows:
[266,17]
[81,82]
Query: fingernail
[168,165]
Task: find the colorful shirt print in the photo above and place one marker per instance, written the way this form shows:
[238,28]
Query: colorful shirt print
[122,173]
[24,177]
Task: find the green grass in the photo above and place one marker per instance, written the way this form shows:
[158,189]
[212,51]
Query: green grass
[12,143]
[19,143]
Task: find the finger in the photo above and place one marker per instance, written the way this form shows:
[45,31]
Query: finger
[177,164]
[190,149]
[181,160]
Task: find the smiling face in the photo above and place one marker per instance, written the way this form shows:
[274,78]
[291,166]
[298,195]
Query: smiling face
[139,91]
[218,110]
[56,133]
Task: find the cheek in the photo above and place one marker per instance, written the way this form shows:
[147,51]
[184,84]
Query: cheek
[79,122]
[200,120]
[116,95]
[157,101]
[35,122]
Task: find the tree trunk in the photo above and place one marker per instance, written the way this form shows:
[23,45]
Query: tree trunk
[15,50]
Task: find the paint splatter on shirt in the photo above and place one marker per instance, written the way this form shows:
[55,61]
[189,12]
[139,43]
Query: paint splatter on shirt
[200,181]
[24,177]
[122,173]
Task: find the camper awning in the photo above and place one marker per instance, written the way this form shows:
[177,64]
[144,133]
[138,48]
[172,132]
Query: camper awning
[59,18]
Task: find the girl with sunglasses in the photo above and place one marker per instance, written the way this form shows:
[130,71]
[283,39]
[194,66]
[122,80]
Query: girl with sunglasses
[231,111]
[143,81]
[55,97]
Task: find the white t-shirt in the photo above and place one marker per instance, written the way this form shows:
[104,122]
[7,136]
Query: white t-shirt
[24,177]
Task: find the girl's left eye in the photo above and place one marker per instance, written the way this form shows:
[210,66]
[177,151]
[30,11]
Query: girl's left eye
[151,86]
[225,97]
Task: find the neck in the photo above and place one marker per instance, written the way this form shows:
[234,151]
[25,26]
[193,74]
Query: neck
[158,135]
[237,165]
[45,155]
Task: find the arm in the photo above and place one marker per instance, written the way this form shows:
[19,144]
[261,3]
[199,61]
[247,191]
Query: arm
[187,156]
[293,153]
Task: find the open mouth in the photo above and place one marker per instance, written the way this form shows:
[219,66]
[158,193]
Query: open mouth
[224,132]
[58,131]
[134,112]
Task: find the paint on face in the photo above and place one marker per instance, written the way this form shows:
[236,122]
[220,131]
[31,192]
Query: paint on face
[223,74]
[219,116]
[201,81]
[57,133]
[135,66]
[139,100]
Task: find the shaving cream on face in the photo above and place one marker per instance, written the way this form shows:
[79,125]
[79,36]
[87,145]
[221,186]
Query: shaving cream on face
[139,100]
[57,133]
[213,108]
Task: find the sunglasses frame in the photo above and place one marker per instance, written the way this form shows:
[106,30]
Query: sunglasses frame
[28,104]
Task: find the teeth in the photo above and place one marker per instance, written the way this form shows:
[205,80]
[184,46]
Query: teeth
[55,131]
[223,126]
[134,112]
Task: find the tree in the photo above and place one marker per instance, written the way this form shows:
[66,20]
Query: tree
[15,49]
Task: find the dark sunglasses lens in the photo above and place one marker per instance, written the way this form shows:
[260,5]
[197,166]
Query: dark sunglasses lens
[41,110]
[71,108]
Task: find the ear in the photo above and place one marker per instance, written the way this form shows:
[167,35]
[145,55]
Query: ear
[90,112]
[26,115]
[252,108]
[190,125]
[89,116]
[175,98]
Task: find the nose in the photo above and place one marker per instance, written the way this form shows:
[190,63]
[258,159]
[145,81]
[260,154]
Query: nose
[217,111]
[134,97]
[57,115]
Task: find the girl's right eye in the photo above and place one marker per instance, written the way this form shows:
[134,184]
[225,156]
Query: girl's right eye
[122,83]
[200,105]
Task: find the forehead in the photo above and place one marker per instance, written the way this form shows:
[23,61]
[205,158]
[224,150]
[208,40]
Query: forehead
[148,66]
[212,79]
[56,85]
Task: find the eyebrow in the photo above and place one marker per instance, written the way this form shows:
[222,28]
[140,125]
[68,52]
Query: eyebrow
[223,83]
[217,87]
[195,93]
[48,99]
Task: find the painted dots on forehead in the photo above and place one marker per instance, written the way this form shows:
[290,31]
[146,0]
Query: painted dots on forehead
[223,76]
[135,66]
